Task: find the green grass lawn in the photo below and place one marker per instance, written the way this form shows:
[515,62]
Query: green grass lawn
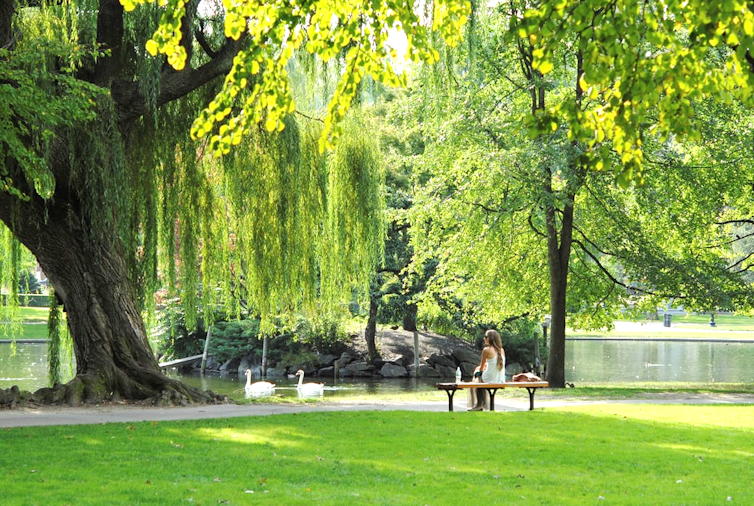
[623,453]
[32,324]
[27,331]
[34,314]
[690,326]
[723,322]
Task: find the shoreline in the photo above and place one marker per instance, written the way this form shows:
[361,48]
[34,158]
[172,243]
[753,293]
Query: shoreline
[665,339]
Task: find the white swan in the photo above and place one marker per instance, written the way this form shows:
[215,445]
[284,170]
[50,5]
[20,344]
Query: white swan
[305,389]
[259,388]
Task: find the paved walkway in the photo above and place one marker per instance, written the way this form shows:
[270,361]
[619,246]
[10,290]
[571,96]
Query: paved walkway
[29,417]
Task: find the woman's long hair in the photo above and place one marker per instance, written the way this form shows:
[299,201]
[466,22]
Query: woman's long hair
[497,344]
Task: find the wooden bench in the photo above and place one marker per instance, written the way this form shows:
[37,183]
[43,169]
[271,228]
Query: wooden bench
[492,388]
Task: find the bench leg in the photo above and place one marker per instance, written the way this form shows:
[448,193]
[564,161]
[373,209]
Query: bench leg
[531,397]
[451,393]
[492,392]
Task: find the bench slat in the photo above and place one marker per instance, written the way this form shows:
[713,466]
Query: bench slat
[507,384]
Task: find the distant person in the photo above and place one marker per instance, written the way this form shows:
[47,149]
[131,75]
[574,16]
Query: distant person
[491,369]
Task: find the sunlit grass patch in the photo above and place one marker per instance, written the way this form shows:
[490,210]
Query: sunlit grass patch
[625,453]
[682,326]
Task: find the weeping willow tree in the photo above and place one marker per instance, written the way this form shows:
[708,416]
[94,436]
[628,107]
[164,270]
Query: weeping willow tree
[105,185]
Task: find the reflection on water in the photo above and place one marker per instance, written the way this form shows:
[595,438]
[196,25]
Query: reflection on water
[27,367]
[638,361]
[599,361]
[287,387]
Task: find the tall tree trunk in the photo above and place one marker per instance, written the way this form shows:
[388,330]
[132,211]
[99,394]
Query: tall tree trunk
[370,332]
[559,246]
[113,358]
[7,9]
[558,256]
[409,317]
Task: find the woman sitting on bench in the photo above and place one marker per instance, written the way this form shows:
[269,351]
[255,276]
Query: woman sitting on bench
[491,370]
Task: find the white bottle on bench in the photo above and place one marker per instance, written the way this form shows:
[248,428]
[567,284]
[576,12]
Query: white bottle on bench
[458,375]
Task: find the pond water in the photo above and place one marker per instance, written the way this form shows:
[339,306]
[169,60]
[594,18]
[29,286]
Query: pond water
[344,387]
[25,365]
[620,361]
[587,361]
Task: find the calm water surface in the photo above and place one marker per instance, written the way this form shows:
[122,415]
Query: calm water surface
[344,387]
[636,361]
[603,361]
[25,365]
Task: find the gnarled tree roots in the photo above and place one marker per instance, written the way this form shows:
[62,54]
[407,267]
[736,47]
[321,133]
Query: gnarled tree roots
[87,390]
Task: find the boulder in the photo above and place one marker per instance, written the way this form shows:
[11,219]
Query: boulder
[231,365]
[358,369]
[345,359]
[391,370]
[441,360]
[246,363]
[462,355]
[326,372]
[427,371]
[378,363]
[273,372]
[467,368]
[446,371]
[327,359]
[190,366]
[397,358]
[210,365]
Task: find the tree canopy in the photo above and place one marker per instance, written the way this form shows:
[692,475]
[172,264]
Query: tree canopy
[646,63]
[512,197]
[108,120]
[272,33]
[104,184]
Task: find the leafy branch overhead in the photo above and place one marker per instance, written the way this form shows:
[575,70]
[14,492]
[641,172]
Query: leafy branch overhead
[274,31]
[644,63]
[34,104]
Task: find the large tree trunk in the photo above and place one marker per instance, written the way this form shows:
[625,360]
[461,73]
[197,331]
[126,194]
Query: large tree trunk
[370,332]
[88,271]
[558,255]
[7,9]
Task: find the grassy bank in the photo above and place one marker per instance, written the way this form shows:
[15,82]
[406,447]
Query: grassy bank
[723,322]
[626,454]
[689,326]
[32,324]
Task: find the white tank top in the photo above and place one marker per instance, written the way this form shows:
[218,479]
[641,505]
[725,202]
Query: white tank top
[492,374]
